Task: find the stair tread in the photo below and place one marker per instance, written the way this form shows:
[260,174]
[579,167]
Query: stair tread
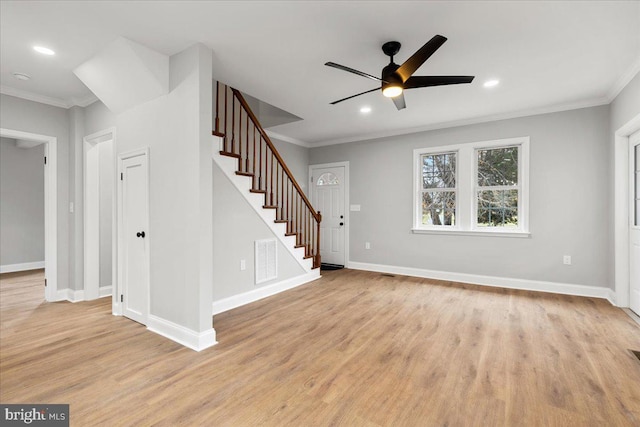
[220,134]
[307,256]
[299,246]
[244,173]
[253,190]
[289,234]
[280,221]
[229,154]
[270,207]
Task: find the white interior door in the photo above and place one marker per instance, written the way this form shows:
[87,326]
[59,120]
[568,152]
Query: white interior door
[134,237]
[634,226]
[328,186]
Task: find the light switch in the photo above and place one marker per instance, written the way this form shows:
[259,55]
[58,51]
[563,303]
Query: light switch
[355,208]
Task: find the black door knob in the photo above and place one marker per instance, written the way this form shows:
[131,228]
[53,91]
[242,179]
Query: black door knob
[140,234]
[342,223]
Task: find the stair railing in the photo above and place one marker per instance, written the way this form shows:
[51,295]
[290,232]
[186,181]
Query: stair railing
[247,141]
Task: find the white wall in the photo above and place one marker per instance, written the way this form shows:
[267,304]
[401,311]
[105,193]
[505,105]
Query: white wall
[177,129]
[569,213]
[28,116]
[236,227]
[21,203]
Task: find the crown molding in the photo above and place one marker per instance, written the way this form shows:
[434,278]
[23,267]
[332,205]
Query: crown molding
[43,99]
[84,102]
[465,122]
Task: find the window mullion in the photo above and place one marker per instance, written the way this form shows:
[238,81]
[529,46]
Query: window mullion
[464,190]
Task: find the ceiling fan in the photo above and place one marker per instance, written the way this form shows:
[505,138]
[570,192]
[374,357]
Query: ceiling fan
[397,78]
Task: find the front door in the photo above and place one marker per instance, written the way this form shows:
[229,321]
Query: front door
[134,220]
[634,225]
[328,198]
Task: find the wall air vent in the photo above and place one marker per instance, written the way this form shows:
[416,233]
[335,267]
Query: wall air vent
[266,260]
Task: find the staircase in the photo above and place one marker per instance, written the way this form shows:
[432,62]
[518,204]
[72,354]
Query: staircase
[262,172]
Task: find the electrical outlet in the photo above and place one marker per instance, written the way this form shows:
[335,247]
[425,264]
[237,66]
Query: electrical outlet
[367,245]
[243,265]
[566,259]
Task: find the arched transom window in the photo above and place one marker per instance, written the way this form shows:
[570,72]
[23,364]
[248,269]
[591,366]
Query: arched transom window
[328,178]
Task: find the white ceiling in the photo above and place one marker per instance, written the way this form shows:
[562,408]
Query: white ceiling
[547,55]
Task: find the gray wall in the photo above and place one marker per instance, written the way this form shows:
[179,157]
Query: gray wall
[626,105]
[21,203]
[236,227]
[29,116]
[623,108]
[569,179]
[98,117]
[107,173]
[297,160]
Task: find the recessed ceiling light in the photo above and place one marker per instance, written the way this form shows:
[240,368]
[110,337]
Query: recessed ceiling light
[365,110]
[21,76]
[491,83]
[44,50]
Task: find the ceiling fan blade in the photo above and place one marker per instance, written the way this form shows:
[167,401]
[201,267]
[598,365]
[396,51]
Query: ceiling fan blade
[426,81]
[417,59]
[353,96]
[399,101]
[351,70]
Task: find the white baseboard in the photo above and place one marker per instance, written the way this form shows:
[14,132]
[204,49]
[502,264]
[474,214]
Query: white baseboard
[612,297]
[25,266]
[263,292]
[105,291]
[75,296]
[197,341]
[500,282]
[62,295]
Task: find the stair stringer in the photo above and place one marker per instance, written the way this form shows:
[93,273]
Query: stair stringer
[229,166]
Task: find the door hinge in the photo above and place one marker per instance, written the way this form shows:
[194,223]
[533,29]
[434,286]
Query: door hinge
[121,298]
[45,283]
[121,176]
[45,160]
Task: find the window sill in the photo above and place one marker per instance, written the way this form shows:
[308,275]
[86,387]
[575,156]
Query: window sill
[454,232]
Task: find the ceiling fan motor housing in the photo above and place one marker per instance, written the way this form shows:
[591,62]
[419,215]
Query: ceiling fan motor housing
[390,77]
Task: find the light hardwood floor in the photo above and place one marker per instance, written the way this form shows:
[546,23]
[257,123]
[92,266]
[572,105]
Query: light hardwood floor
[352,349]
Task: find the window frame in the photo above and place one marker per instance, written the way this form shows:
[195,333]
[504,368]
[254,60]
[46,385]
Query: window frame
[421,190]
[467,189]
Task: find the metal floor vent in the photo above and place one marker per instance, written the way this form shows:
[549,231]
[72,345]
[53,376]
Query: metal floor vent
[635,353]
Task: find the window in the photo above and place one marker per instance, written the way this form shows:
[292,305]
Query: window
[438,201]
[477,188]
[328,178]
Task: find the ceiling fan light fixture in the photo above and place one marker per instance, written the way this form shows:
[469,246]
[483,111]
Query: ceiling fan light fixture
[392,91]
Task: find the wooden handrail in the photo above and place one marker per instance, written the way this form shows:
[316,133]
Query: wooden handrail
[255,121]
[259,159]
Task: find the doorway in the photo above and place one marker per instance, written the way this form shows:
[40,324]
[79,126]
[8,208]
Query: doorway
[50,163]
[133,235]
[627,271]
[330,195]
[99,213]
[634,226]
